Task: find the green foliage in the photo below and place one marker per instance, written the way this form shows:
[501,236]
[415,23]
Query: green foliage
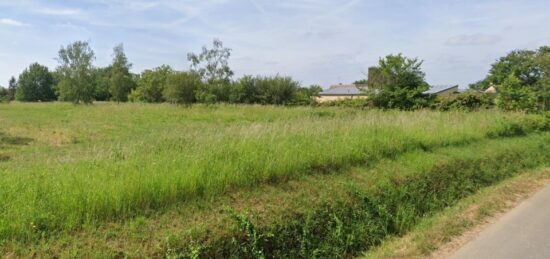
[306,96]
[520,64]
[102,82]
[480,85]
[75,70]
[514,96]
[522,79]
[121,81]
[276,89]
[391,205]
[349,103]
[35,84]
[398,83]
[212,64]
[151,84]
[4,95]
[180,155]
[181,87]
[12,89]
[244,90]
[467,101]
[213,91]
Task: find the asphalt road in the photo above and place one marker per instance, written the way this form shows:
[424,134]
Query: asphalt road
[524,232]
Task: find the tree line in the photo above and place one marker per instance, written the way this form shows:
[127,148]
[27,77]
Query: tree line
[521,78]
[208,80]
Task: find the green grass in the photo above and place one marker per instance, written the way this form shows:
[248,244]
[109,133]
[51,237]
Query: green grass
[65,167]
[432,235]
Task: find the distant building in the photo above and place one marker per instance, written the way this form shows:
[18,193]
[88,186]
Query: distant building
[340,91]
[442,90]
[491,90]
[353,91]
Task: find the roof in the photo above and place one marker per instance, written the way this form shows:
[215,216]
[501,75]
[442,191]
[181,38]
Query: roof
[342,90]
[350,90]
[435,89]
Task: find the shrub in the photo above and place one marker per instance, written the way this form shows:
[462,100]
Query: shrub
[181,87]
[150,85]
[468,101]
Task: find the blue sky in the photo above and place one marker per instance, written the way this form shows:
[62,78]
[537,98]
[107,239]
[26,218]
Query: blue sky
[315,41]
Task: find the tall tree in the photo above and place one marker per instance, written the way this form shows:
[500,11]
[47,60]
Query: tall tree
[397,82]
[522,80]
[519,63]
[12,88]
[213,67]
[121,81]
[212,64]
[76,73]
[35,84]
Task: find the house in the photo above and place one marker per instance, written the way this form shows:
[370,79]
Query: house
[491,90]
[353,91]
[442,90]
[340,91]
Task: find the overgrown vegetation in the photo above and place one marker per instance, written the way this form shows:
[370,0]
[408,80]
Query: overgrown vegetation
[81,167]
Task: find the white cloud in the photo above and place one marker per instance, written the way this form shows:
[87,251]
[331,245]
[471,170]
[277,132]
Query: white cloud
[11,22]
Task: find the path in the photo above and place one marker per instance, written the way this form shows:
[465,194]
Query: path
[524,232]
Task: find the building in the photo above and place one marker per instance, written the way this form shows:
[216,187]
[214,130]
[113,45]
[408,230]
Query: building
[352,91]
[442,90]
[340,91]
[491,90]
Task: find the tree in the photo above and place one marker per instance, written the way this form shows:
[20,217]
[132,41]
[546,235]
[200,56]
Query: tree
[480,85]
[76,73]
[543,86]
[397,82]
[181,86]
[212,64]
[4,94]
[151,84]
[522,80]
[35,84]
[102,82]
[244,90]
[121,81]
[514,96]
[306,95]
[12,89]
[276,90]
[519,63]
[213,67]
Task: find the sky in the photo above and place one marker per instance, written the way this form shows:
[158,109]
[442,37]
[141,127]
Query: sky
[320,42]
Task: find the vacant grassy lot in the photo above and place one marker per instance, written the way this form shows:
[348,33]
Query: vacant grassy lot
[66,168]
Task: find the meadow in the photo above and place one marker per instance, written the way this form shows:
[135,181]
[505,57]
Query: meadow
[65,168]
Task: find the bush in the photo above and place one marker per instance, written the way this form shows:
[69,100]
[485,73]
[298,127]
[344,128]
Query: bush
[468,101]
[276,90]
[150,85]
[181,87]
[350,103]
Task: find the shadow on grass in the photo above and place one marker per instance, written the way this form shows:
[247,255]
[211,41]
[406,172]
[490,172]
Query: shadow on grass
[4,158]
[6,139]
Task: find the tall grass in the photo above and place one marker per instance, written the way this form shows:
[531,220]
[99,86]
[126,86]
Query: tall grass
[86,164]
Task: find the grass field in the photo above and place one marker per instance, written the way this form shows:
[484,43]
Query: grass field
[66,169]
